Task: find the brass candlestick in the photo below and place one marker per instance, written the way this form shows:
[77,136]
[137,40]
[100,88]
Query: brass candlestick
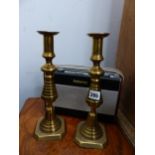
[91,134]
[49,127]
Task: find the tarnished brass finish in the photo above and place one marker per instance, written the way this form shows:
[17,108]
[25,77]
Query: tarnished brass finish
[91,134]
[50,126]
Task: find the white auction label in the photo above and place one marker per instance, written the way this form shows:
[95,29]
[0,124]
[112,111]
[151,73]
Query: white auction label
[95,95]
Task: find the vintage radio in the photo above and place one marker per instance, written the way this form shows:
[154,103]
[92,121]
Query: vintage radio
[72,85]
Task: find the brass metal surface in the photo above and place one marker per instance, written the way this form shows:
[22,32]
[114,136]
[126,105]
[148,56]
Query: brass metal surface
[50,126]
[98,143]
[91,134]
[57,135]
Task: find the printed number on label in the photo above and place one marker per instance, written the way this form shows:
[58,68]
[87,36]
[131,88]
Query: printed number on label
[95,95]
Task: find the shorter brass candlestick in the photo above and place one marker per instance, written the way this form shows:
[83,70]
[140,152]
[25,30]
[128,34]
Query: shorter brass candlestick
[91,134]
[49,127]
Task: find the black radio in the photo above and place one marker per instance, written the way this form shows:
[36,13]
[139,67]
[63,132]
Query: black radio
[72,85]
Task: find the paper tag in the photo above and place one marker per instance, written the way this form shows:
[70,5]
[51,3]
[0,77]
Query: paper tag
[95,95]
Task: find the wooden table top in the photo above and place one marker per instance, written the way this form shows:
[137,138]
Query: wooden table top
[34,108]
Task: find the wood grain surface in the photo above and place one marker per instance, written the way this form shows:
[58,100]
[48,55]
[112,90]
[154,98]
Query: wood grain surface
[34,108]
[126,60]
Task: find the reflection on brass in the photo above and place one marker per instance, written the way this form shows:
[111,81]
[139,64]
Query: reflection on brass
[91,134]
[50,127]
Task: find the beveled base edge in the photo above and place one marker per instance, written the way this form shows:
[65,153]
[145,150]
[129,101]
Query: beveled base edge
[58,135]
[86,143]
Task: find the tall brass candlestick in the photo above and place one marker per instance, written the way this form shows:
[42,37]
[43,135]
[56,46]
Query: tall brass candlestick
[91,134]
[49,127]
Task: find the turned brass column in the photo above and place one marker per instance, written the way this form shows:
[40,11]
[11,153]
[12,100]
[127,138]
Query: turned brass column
[49,127]
[90,133]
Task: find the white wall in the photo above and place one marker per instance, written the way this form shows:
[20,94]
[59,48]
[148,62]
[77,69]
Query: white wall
[73,19]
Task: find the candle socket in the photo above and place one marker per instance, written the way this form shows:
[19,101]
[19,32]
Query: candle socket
[49,127]
[90,133]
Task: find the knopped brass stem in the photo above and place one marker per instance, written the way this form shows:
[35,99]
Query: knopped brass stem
[90,133]
[50,126]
